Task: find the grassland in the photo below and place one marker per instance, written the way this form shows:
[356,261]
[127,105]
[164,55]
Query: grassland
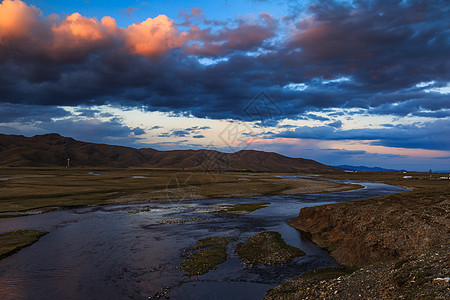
[35,190]
[12,242]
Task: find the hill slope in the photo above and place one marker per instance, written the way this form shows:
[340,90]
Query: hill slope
[53,150]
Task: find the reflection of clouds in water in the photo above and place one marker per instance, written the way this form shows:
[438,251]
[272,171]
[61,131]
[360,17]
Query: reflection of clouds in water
[119,253]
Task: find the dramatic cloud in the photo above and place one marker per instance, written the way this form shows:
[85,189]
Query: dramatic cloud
[194,131]
[74,38]
[323,63]
[10,113]
[153,37]
[246,35]
[10,14]
[93,130]
[340,54]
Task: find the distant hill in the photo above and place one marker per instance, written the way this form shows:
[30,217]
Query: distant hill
[53,150]
[366,169]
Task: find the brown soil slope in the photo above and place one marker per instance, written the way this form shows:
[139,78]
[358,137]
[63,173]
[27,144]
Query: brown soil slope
[52,150]
[388,228]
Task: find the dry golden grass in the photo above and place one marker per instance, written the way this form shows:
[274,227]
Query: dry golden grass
[43,189]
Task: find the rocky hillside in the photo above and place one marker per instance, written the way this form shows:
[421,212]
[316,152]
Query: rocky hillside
[53,150]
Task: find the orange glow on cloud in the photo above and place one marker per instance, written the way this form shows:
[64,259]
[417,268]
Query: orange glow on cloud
[153,37]
[23,28]
[76,36]
[16,20]
[76,27]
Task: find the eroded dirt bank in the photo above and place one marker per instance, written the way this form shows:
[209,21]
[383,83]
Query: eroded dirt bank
[381,229]
[401,241]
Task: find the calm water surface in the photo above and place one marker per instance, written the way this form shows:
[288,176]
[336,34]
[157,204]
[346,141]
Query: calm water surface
[108,253]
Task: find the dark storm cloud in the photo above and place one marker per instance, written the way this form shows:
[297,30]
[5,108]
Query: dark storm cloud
[198,136]
[316,117]
[138,131]
[180,133]
[92,130]
[336,124]
[194,131]
[243,35]
[431,135]
[29,113]
[382,48]
[87,112]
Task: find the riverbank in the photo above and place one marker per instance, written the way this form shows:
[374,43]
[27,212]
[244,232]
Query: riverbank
[378,233]
[28,191]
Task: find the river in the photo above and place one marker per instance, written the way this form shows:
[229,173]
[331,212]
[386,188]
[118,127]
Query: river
[108,253]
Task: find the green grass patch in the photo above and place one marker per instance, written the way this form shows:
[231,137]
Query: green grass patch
[242,208]
[267,248]
[12,242]
[204,256]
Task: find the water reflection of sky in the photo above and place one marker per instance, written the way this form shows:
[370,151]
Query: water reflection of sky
[106,252]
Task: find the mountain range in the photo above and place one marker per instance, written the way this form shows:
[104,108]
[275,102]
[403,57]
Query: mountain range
[366,169]
[54,150]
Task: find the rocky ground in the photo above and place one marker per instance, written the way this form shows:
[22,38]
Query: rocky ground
[423,277]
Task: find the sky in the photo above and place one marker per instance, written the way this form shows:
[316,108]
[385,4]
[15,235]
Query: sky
[341,82]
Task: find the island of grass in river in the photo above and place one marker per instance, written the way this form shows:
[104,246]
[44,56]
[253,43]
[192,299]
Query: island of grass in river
[267,248]
[12,242]
[205,256]
[241,208]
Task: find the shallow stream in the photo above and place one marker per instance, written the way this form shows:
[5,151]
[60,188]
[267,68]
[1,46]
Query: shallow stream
[108,253]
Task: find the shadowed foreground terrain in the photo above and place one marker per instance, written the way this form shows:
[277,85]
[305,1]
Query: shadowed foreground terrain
[402,240]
